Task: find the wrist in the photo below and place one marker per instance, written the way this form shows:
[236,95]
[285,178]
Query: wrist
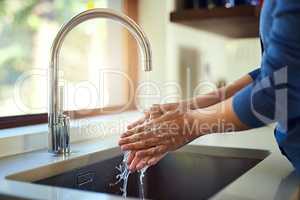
[192,125]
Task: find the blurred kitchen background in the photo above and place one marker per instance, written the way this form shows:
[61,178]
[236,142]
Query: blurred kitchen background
[192,42]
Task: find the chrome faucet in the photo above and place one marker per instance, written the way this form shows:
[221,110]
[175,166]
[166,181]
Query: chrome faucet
[59,123]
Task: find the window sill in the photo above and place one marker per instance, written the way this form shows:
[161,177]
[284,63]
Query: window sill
[29,138]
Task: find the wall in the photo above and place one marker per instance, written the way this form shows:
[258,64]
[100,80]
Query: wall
[177,47]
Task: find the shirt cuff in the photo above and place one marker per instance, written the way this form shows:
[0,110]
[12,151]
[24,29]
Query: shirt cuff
[243,109]
[255,73]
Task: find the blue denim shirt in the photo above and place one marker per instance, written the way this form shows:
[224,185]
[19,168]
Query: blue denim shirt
[274,95]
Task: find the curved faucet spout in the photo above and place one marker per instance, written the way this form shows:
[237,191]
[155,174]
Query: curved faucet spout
[59,123]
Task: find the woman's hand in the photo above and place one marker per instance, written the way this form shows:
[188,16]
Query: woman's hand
[137,134]
[157,110]
[150,141]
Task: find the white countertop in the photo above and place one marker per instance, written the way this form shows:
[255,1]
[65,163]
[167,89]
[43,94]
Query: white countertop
[272,178]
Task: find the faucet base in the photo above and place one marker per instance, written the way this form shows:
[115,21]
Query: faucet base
[60,137]
[60,152]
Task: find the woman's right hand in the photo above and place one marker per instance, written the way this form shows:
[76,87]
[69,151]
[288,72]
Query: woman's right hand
[150,142]
[155,111]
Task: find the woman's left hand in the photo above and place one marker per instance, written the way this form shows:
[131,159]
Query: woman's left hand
[151,141]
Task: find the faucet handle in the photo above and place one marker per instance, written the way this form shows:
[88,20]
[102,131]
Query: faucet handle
[64,133]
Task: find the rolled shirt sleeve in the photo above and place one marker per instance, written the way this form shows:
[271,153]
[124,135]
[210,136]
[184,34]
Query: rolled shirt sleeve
[255,73]
[274,95]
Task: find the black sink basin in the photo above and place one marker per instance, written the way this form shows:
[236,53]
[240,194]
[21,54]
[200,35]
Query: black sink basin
[184,174]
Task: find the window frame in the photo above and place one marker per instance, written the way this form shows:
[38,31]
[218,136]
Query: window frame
[130,8]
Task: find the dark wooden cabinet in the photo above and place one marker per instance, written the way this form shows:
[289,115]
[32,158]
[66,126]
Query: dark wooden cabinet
[238,21]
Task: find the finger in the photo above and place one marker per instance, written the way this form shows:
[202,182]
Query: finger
[165,117]
[155,111]
[140,145]
[153,151]
[142,163]
[155,108]
[171,115]
[155,114]
[153,138]
[136,137]
[155,160]
[137,129]
[168,116]
[140,121]
[134,124]
[168,107]
[135,161]
[127,134]
[130,157]
[144,144]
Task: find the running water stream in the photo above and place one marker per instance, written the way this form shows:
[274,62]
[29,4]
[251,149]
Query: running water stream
[124,172]
[123,176]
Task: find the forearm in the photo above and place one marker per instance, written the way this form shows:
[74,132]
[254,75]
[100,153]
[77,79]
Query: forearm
[206,100]
[219,95]
[219,118]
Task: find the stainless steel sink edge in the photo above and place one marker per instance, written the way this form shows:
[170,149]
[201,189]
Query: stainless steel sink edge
[62,166]
[68,164]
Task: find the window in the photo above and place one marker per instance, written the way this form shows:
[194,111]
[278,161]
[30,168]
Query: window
[92,60]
